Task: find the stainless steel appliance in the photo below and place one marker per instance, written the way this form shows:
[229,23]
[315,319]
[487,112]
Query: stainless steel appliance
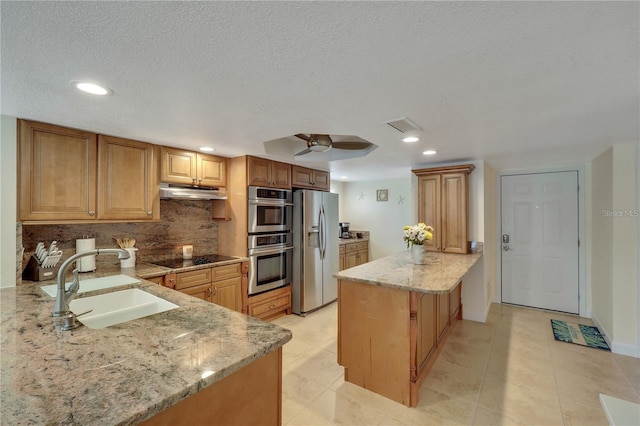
[344,230]
[270,257]
[315,253]
[269,210]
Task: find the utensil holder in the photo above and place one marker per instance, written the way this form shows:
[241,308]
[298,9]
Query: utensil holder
[131,261]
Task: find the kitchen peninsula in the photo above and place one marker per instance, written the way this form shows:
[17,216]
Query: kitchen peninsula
[394,318]
[199,364]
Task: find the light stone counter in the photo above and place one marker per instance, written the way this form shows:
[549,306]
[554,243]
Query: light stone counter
[440,274]
[124,373]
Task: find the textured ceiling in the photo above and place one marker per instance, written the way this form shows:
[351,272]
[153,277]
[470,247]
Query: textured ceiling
[514,83]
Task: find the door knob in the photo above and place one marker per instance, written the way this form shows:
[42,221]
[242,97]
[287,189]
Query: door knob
[506,247]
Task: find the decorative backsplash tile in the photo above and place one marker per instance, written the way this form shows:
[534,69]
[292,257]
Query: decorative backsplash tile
[181,222]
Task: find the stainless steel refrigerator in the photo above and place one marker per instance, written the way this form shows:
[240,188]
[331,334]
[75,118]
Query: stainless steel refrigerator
[315,250]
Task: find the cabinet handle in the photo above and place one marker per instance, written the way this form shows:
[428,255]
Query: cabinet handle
[209,291]
[149,213]
[215,291]
[193,179]
[272,306]
[200,180]
[92,213]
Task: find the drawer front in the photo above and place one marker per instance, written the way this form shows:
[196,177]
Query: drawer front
[342,248]
[363,246]
[351,247]
[226,271]
[191,278]
[157,280]
[272,305]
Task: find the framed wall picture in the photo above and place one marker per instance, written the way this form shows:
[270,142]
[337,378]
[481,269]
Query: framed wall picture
[382,195]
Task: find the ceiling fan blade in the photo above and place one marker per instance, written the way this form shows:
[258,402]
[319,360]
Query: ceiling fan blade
[351,145]
[304,137]
[306,151]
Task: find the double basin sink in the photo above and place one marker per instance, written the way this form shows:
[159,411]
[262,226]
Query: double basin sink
[116,307]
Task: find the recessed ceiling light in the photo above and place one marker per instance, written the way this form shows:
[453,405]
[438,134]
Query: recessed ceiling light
[429,152]
[411,139]
[92,88]
[344,177]
[206,149]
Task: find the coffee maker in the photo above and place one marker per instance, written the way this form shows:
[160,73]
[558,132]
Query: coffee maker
[344,230]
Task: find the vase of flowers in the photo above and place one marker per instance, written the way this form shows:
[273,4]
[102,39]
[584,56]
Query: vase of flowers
[416,237]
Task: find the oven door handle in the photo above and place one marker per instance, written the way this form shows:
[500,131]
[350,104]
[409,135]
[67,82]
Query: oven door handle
[258,252]
[269,203]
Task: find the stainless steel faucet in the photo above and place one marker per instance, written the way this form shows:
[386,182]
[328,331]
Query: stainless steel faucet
[61,309]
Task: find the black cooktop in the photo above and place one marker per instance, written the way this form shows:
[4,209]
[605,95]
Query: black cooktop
[196,260]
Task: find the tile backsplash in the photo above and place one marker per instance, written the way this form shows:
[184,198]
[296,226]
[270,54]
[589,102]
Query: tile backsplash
[181,222]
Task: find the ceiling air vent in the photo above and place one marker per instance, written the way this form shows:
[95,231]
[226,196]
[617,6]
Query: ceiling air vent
[404,125]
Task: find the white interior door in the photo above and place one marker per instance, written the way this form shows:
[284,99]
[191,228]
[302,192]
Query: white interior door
[540,240]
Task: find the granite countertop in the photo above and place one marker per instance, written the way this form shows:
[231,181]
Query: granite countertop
[440,274]
[124,373]
[342,241]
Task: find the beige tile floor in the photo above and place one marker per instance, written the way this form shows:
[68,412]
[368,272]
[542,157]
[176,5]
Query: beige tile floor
[507,371]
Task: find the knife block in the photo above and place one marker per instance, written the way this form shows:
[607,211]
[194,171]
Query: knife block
[34,272]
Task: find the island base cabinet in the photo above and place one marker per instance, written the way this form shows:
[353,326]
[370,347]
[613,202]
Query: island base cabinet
[250,396]
[388,339]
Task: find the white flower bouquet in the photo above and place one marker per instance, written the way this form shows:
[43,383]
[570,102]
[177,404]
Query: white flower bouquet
[418,234]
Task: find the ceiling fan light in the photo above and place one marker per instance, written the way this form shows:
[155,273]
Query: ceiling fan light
[320,148]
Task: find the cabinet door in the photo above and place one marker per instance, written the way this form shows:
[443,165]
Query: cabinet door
[301,177]
[228,293]
[351,259]
[178,166]
[454,213]
[212,171]
[127,179]
[202,291]
[429,207]
[321,180]
[281,175]
[342,262]
[363,256]
[258,171]
[443,313]
[426,339]
[455,300]
[57,172]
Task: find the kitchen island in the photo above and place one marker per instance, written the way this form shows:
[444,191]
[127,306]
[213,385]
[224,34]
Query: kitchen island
[198,360]
[394,318]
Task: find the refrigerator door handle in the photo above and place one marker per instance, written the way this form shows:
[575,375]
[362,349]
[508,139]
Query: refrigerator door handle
[322,232]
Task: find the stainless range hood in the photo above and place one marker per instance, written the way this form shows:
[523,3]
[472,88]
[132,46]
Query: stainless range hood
[177,192]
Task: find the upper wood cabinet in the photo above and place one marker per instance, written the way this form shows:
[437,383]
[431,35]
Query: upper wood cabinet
[192,168]
[443,195]
[127,179]
[268,173]
[302,177]
[57,172]
[68,175]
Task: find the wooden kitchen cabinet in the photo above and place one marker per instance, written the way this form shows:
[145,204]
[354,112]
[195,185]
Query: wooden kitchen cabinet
[426,340]
[57,173]
[302,177]
[341,257]
[443,195]
[227,286]
[355,254]
[221,285]
[68,175]
[271,304]
[268,173]
[442,317]
[127,179]
[192,168]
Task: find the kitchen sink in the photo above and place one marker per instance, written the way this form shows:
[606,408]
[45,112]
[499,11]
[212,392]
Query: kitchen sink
[117,307]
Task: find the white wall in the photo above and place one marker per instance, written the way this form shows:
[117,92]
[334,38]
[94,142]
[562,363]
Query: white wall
[614,247]
[8,189]
[383,219]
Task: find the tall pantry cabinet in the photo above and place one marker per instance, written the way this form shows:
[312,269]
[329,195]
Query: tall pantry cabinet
[443,202]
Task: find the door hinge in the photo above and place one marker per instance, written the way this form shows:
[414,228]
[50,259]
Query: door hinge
[578,242]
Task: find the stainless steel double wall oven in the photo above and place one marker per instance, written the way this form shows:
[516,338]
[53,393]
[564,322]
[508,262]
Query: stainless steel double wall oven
[269,240]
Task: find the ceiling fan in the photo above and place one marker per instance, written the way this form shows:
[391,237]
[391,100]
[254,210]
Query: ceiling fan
[321,143]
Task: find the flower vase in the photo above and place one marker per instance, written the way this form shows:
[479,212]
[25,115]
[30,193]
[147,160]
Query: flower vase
[418,254]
